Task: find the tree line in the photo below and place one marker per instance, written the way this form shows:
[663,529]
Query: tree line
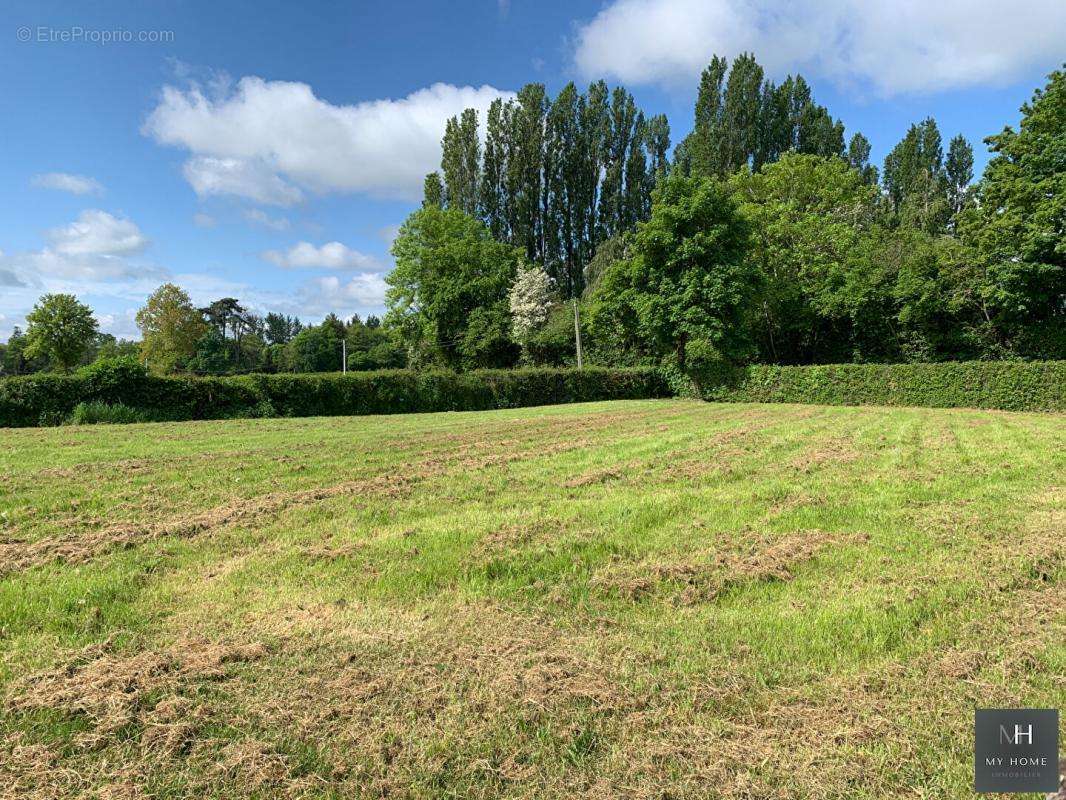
[565,226]
[788,244]
[221,338]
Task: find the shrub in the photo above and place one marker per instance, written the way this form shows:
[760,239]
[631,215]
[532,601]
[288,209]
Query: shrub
[107,393]
[1006,385]
[111,378]
[97,412]
[50,399]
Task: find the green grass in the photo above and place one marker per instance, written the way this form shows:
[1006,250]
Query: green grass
[642,599]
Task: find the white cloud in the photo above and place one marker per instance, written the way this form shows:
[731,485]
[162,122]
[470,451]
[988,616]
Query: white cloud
[332,255]
[361,294]
[89,258]
[240,137]
[241,177]
[66,182]
[34,265]
[893,46]
[97,233]
[203,220]
[258,217]
[310,300]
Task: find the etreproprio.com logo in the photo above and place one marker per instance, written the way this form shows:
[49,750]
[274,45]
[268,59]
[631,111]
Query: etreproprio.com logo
[77,34]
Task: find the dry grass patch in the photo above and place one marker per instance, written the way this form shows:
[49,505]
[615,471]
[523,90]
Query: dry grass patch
[826,452]
[114,690]
[759,557]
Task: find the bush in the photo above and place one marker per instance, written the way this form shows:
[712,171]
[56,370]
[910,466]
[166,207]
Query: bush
[116,391]
[51,399]
[1006,385]
[98,412]
[111,378]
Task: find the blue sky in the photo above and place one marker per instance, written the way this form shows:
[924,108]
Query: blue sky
[269,150]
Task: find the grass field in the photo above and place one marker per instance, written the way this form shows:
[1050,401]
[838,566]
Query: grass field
[662,599]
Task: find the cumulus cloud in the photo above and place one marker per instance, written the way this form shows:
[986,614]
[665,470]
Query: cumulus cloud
[97,233]
[895,46]
[332,255]
[34,265]
[242,177]
[89,256]
[267,140]
[66,182]
[203,220]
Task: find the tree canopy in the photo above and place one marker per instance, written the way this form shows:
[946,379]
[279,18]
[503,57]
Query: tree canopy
[59,329]
[448,291]
[689,280]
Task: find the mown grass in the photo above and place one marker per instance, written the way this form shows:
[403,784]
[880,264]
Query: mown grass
[632,599]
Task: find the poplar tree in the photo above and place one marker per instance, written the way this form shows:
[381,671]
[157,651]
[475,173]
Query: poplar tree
[744,120]
[433,191]
[859,158]
[461,162]
[958,168]
[491,201]
[914,179]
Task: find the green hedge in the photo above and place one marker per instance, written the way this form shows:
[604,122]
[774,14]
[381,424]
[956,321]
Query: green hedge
[51,399]
[1006,385]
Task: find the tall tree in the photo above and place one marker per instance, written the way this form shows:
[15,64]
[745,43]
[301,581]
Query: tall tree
[744,120]
[810,214]
[460,162]
[563,161]
[60,329]
[618,148]
[1019,222]
[171,328]
[560,175]
[278,328]
[593,127]
[914,179]
[705,147]
[689,283]
[448,292]
[859,158]
[958,168]
[741,105]
[433,190]
[493,175]
[525,170]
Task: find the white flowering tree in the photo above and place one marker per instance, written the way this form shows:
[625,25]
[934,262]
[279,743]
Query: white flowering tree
[530,299]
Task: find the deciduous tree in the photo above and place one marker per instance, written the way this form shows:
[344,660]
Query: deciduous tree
[171,328]
[60,329]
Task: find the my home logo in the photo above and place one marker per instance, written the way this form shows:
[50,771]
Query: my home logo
[1017,738]
[1016,750]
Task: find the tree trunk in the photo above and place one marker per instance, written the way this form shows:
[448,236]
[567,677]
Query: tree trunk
[577,334]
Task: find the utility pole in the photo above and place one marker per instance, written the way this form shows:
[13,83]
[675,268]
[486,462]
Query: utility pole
[577,333]
[344,356]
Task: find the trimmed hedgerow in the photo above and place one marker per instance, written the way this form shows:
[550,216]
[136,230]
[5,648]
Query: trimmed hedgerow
[1005,385]
[51,399]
